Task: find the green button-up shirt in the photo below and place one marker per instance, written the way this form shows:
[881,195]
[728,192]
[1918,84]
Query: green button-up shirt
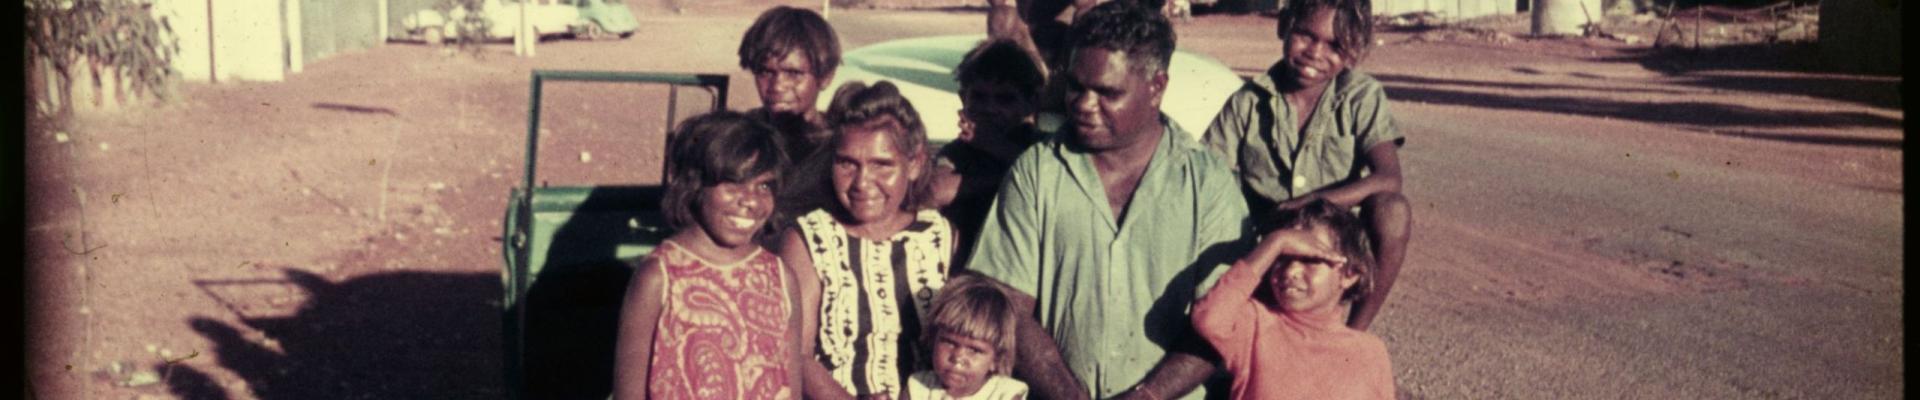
[1113,294]
[1256,132]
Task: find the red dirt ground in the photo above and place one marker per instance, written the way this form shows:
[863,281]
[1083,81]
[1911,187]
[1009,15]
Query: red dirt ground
[337,235]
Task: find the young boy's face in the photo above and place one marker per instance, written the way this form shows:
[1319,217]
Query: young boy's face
[1313,52]
[962,363]
[990,110]
[1305,284]
[787,84]
[732,212]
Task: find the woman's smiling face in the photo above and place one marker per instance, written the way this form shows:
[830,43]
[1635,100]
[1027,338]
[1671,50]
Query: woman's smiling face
[871,173]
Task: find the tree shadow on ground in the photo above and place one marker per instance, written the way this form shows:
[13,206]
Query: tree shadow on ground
[405,335]
[1741,121]
[571,307]
[1599,86]
[572,329]
[1874,90]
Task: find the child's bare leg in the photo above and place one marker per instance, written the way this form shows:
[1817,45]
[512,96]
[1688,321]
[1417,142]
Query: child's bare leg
[1389,224]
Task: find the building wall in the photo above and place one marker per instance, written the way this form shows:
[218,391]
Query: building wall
[188,18]
[252,39]
[331,27]
[1861,35]
[248,39]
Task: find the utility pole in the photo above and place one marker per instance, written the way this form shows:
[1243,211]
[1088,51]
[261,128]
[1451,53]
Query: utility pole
[523,36]
[296,38]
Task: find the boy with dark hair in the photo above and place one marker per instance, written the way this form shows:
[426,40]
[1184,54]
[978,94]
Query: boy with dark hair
[999,93]
[793,54]
[1313,127]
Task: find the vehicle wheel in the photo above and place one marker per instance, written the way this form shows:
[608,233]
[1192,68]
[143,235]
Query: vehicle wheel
[627,34]
[589,32]
[433,37]
[594,32]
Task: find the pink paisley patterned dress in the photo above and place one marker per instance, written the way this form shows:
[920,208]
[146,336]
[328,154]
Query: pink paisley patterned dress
[723,327]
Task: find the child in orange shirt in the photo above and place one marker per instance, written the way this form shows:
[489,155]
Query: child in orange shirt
[1278,316]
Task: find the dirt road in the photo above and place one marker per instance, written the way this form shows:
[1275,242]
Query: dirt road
[1592,221]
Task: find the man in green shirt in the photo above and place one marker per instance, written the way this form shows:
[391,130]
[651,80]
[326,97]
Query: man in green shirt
[1109,229]
[1313,128]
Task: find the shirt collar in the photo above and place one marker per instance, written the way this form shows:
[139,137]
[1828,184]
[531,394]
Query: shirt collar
[1170,133]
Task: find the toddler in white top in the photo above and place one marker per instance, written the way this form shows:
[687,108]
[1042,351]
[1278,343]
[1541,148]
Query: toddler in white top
[971,330]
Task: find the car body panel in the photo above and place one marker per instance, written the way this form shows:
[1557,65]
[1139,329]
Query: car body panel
[612,16]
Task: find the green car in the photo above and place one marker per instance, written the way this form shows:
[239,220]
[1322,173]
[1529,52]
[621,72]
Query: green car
[602,19]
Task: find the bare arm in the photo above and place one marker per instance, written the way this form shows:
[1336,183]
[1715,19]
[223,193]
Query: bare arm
[1383,159]
[816,380]
[947,184]
[1080,7]
[1178,373]
[1004,21]
[796,364]
[639,316]
[1037,358]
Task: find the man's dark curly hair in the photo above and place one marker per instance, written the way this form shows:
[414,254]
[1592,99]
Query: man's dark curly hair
[1129,27]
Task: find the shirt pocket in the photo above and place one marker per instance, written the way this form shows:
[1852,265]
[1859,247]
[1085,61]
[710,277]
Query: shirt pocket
[1339,151]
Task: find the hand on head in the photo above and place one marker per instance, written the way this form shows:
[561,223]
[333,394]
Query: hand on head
[1294,243]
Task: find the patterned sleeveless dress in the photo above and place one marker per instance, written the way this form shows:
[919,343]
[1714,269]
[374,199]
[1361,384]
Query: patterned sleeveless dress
[723,328]
[872,294]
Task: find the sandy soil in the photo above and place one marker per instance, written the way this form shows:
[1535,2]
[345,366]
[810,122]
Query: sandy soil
[1594,220]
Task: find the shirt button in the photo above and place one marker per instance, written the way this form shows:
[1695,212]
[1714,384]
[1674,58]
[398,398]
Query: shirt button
[1299,182]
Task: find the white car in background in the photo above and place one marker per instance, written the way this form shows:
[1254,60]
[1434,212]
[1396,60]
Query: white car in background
[548,17]
[1197,85]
